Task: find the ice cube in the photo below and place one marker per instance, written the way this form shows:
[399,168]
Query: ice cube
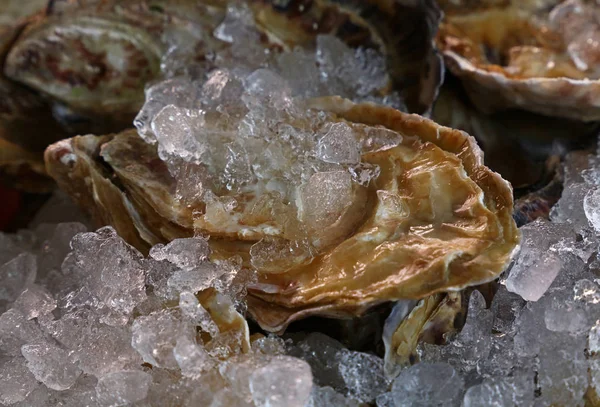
[326,396]
[284,382]
[16,381]
[191,308]
[99,348]
[51,365]
[339,145]
[155,336]
[16,275]
[180,92]
[363,375]
[321,353]
[112,272]
[428,384]
[500,392]
[325,197]
[269,345]
[192,359]
[266,88]
[186,254]
[123,388]
[176,130]
[16,331]
[537,265]
[562,314]
[35,301]
[569,208]
[299,69]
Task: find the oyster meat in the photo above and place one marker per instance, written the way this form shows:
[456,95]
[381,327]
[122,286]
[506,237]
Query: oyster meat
[532,55]
[338,206]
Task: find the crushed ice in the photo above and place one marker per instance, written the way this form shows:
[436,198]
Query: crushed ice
[87,320]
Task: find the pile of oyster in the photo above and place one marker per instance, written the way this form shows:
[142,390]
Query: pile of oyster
[287,203]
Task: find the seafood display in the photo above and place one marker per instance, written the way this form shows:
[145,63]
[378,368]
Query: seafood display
[293,203]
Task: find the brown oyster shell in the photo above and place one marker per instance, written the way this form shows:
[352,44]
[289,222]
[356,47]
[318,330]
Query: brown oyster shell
[431,320]
[441,220]
[80,70]
[475,29]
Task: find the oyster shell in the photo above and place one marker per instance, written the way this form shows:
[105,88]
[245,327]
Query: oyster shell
[526,148]
[429,320]
[95,57]
[529,55]
[21,144]
[433,219]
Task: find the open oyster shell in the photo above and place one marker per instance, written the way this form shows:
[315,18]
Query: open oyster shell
[529,55]
[435,219]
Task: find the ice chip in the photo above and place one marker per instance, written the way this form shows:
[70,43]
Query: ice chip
[428,384]
[16,381]
[16,331]
[236,25]
[321,353]
[175,91]
[564,315]
[155,336]
[221,88]
[16,275]
[51,365]
[500,392]
[186,253]
[176,130]
[363,375]
[537,265]
[35,301]
[192,359]
[569,208]
[265,86]
[299,69]
[379,139]
[325,197]
[191,308]
[338,145]
[284,382]
[326,396]
[123,388]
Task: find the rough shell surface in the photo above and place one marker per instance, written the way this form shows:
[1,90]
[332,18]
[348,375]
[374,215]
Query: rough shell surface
[476,35]
[435,219]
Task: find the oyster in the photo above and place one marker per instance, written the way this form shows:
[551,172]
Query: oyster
[82,66]
[430,320]
[392,206]
[94,58]
[529,55]
[526,148]
[21,143]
